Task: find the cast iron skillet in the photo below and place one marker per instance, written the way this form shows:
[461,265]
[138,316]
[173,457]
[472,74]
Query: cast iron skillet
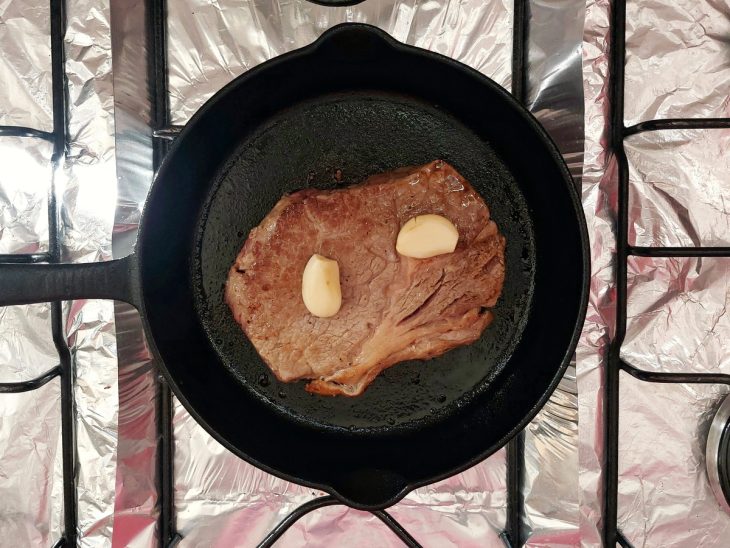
[359,102]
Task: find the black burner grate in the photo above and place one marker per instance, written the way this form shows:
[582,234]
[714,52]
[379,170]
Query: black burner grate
[65,369]
[624,250]
[164,132]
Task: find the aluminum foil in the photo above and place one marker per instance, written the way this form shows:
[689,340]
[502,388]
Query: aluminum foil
[555,96]
[30,486]
[677,323]
[136,509]
[25,65]
[599,191]
[220,499]
[30,501]
[31,490]
[87,195]
[676,58]
[31,508]
[677,64]
[24,181]
[664,497]
[210,43]
[692,290]
[680,188]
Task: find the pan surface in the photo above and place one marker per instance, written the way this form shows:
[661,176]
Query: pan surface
[359,102]
[360,134]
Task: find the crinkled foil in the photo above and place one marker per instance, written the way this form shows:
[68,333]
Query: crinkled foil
[87,197]
[598,192]
[24,180]
[677,322]
[31,490]
[211,43]
[30,426]
[31,508]
[220,499]
[676,66]
[680,187]
[555,96]
[25,64]
[136,508]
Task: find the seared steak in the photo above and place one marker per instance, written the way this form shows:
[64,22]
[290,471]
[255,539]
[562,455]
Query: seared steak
[394,308]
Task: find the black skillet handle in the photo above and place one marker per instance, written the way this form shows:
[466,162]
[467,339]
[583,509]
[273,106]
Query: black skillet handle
[37,283]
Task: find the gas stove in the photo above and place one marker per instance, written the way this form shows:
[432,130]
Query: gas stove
[654,367]
[94,448]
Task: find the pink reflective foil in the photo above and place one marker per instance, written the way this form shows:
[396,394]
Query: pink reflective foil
[115,421]
[30,458]
[676,322]
[676,309]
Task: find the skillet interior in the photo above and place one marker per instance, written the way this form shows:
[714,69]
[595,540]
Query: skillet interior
[360,134]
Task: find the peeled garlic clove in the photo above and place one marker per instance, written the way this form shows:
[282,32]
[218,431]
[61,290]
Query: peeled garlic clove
[321,286]
[426,236]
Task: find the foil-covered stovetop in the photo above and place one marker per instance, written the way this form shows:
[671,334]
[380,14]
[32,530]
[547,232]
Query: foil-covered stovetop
[677,66]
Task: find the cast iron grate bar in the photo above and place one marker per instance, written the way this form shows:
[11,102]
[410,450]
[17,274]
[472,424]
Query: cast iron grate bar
[683,378]
[25,258]
[160,114]
[168,133]
[30,384]
[397,528]
[166,484]
[65,369]
[677,123]
[22,131]
[520,31]
[618,132]
[513,533]
[68,405]
[513,536]
[622,541]
[667,252]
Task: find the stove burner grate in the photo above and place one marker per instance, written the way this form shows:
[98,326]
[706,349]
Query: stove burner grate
[615,364]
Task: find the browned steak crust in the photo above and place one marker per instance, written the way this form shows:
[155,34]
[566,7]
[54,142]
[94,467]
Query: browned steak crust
[394,308]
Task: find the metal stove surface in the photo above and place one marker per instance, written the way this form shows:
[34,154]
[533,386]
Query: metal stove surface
[653,363]
[92,146]
[100,460]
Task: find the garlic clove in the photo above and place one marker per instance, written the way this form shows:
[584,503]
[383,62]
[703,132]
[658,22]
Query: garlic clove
[427,236]
[321,286]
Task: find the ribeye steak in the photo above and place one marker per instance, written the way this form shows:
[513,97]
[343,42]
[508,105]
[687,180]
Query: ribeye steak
[394,308]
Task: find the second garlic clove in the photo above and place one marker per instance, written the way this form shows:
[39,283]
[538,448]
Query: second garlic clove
[426,236]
